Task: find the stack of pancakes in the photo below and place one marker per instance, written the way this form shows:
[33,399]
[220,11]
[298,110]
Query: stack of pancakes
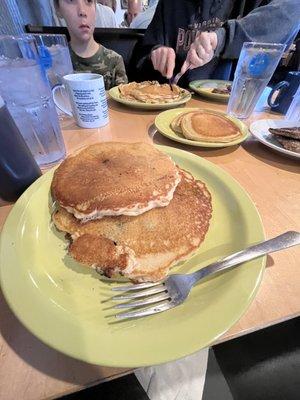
[127,209]
[205,126]
[151,92]
[289,138]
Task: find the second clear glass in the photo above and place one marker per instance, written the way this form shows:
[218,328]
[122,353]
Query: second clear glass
[55,56]
[26,91]
[256,65]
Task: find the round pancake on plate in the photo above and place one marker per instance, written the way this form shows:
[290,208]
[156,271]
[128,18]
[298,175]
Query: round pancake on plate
[113,178]
[176,122]
[127,89]
[146,246]
[209,127]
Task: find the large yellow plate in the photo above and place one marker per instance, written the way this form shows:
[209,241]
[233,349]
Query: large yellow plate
[203,88]
[163,125]
[60,301]
[114,94]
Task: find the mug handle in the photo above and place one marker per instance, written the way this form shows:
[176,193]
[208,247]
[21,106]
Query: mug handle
[280,86]
[65,110]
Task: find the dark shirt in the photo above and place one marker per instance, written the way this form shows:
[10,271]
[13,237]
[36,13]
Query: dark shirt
[176,22]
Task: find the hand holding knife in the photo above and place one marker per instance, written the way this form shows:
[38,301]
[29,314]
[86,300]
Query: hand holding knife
[199,54]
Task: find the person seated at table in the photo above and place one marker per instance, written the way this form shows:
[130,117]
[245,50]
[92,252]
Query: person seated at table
[109,3]
[134,8]
[144,18]
[87,55]
[192,36]
[105,17]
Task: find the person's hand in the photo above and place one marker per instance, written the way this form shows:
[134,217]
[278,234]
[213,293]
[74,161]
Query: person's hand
[201,51]
[163,60]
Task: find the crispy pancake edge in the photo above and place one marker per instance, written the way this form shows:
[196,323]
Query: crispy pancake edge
[139,274]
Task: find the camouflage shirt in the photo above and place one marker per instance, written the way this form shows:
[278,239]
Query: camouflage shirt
[105,62]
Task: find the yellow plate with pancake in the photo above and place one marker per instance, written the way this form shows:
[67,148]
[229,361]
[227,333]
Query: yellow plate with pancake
[60,301]
[163,125]
[114,94]
[204,88]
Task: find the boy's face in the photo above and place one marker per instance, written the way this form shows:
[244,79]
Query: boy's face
[80,16]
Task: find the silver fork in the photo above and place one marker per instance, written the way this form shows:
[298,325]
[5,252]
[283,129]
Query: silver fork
[174,80]
[176,288]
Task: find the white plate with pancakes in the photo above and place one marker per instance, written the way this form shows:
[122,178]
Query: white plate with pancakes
[150,95]
[214,128]
[39,279]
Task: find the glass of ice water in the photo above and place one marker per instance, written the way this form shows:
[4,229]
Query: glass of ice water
[25,89]
[256,65]
[55,56]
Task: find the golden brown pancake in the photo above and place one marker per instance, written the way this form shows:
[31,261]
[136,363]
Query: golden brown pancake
[126,90]
[151,92]
[113,179]
[149,243]
[176,122]
[113,258]
[209,127]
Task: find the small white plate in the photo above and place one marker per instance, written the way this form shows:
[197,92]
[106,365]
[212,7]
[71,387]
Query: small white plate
[260,129]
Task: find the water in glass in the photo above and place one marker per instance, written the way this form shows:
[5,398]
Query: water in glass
[55,56]
[256,65]
[28,97]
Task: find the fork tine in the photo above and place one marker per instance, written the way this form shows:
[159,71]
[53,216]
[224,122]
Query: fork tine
[135,287]
[143,302]
[141,293]
[146,311]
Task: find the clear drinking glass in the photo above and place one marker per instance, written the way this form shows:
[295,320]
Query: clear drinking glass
[55,56]
[27,94]
[293,113]
[256,65]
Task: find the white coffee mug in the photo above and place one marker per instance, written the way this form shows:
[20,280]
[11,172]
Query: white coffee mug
[88,103]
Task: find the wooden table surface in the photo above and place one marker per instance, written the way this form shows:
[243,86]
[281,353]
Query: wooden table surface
[31,370]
